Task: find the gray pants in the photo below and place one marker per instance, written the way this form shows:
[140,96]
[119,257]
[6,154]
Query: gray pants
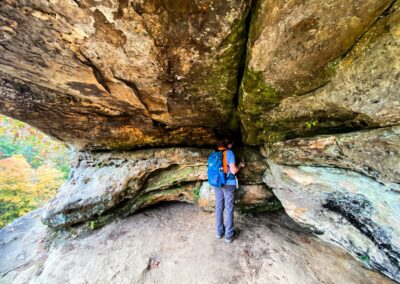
[225,199]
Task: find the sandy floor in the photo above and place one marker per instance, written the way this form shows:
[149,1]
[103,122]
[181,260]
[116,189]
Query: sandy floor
[175,243]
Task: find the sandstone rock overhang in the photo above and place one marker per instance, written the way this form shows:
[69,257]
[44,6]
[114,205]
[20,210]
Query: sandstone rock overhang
[134,74]
[123,74]
[320,67]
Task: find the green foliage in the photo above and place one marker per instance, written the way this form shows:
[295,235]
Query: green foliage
[32,168]
[18,138]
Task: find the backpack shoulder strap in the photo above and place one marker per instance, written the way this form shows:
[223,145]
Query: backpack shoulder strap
[225,161]
[223,150]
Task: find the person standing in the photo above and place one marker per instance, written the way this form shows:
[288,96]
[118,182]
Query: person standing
[225,195]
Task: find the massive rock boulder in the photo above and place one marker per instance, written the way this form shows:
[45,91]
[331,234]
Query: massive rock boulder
[343,207]
[346,189]
[316,68]
[122,74]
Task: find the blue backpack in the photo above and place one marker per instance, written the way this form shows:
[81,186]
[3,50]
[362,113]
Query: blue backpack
[216,176]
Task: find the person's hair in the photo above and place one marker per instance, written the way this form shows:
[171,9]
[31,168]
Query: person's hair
[224,142]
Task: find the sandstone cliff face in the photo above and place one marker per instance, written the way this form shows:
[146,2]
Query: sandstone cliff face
[124,75]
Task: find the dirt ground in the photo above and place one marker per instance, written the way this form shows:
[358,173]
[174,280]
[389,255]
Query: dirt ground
[175,243]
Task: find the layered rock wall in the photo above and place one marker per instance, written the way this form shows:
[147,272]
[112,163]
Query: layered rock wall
[103,186]
[346,189]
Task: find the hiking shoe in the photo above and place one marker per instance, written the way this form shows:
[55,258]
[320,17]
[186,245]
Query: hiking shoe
[219,236]
[229,240]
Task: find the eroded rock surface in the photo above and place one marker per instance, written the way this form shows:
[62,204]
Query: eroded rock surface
[122,74]
[105,185]
[343,207]
[375,153]
[320,189]
[321,92]
[129,74]
[166,245]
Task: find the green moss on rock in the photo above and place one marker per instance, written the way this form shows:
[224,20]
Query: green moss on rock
[332,67]
[174,176]
[196,195]
[255,97]
[311,125]
[271,204]
[219,76]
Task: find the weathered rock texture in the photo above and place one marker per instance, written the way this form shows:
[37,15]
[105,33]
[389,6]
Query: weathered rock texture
[122,74]
[357,210]
[128,74]
[375,153]
[102,186]
[175,244]
[297,46]
[343,207]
